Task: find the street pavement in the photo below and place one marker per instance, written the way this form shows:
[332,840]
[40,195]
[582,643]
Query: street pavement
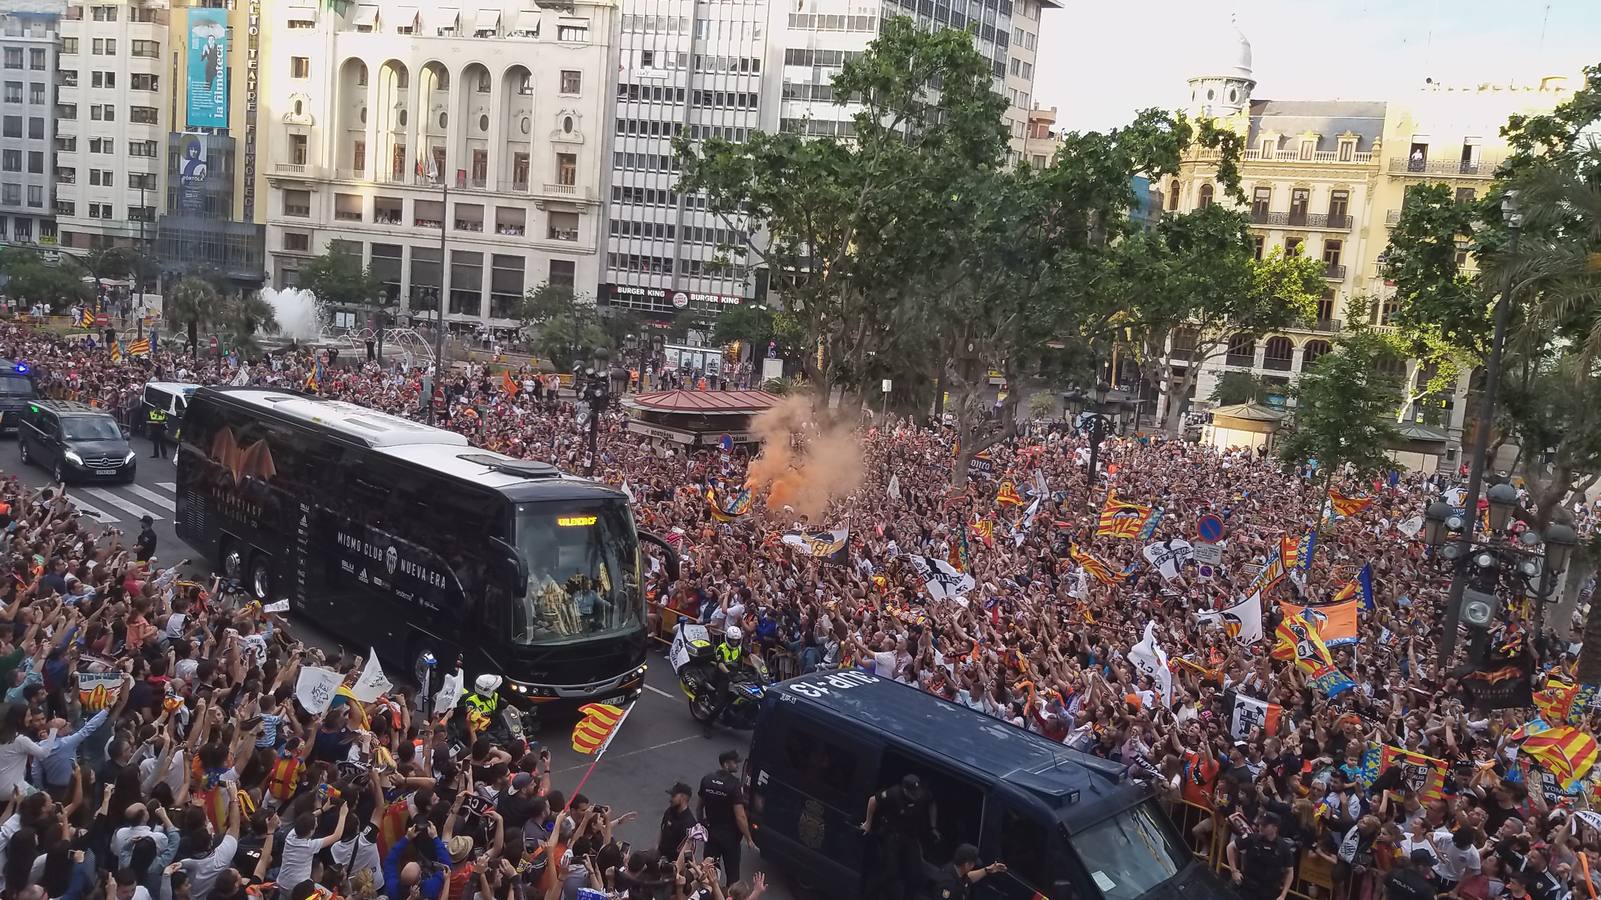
[658,745]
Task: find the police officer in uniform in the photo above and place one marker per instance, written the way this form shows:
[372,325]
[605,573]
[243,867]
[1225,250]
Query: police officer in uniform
[899,817]
[722,811]
[1262,863]
[955,881]
[157,424]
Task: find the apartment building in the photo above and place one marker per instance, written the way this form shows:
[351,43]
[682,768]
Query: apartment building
[1327,179]
[111,121]
[691,69]
[28,40]
[457,151]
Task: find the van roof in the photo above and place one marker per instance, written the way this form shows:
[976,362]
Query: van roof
[955,734]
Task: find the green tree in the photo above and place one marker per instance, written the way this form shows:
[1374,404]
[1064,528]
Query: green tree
[244,317]
[848,221]
[339,277]
[751,324]
[1343,406]
[193,304]
[30,280]
[1239,387]
[566,328]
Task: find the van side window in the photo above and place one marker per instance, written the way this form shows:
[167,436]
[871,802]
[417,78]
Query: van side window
[1023,848]
[822,769]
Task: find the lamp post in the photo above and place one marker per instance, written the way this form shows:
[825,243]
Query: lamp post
[1480,569]
[1513,217]
[597,391]
[1097,423]
[439,314]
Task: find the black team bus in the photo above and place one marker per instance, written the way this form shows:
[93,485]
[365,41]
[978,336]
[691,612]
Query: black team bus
[405,538]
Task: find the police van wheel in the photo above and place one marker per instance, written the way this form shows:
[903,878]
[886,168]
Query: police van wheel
[261,577]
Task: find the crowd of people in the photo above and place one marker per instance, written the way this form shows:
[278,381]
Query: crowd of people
[200,776]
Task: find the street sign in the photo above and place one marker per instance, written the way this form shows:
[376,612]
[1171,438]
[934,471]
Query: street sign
[1202,570]
[1209,528]
[726,442]
[213,342]
[1209,554]
[102,319]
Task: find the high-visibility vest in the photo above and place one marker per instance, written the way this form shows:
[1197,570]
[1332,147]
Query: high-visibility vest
[158,417]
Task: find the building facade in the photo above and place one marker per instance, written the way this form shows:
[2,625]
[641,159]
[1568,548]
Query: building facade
[112,101]
[728,69]
[457,152]
[1327,179]
[29,31]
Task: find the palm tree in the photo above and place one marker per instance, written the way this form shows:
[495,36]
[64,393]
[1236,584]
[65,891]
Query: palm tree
[193,303]
[246,316]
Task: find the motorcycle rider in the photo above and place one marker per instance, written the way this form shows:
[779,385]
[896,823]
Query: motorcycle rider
[482,708]
[727,659]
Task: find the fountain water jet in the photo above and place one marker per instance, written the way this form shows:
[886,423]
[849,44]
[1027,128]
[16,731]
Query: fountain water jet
[298,313]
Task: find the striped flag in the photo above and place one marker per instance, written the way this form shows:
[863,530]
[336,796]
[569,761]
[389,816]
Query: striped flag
[1100,570]
[116,352]
[507,384]
[1122,519]
[1564,751]
[1305,549]
[594,732]
[1362,581]
[1555,700]
[1343,506]
[140,347]
[1272,572]
[87,320]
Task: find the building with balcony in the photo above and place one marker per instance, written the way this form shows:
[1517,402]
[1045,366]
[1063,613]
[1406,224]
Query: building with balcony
[457,151]
[28,41]
[113,93]
[1041,141]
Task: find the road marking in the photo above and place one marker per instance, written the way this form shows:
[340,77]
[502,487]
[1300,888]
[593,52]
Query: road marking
[120,503]
[160,501]
[693,737]
[168,486]
[85,509]
[656,690]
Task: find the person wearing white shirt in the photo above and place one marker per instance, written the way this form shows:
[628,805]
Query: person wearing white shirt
[1456,857]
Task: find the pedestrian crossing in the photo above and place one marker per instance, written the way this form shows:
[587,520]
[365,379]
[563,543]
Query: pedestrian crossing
[129,502]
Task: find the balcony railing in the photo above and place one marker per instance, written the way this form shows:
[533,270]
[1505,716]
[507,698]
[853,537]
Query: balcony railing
[564,234]
[289,168]
[1330,326]
[295,209]
[478,182]
[469,225]
[1240,359]
[345,215]
[560,188]
[1334,271]
[1361,158]
[1301,220]
[1484,168]
[1276,364]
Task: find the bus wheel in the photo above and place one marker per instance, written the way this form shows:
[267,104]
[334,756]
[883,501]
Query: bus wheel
[261,577]
[233,559]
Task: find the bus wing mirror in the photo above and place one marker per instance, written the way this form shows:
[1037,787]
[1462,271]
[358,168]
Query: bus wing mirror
[667,551]
[513,561]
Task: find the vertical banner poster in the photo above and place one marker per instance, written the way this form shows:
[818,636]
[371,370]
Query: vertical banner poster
[208,68]
[192,172]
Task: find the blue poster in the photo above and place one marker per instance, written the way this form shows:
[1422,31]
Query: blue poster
[208,68]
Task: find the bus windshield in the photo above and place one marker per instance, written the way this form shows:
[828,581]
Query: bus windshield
[1129,854]
[583,572]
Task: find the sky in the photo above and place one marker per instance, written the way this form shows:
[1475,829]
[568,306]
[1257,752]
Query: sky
[1100,62]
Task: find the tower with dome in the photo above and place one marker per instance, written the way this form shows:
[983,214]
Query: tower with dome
[1222,84]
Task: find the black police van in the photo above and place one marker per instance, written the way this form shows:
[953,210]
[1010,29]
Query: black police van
[75,442]
[1068,826]
[17,390]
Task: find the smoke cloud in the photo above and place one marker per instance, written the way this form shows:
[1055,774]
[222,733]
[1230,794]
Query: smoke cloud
[804,464]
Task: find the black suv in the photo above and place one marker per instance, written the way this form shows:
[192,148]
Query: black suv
[75,441]
[16,392]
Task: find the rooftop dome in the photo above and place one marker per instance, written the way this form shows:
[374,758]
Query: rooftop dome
[1225,53]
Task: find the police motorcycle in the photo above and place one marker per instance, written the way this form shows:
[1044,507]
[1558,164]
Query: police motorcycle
[693,656]
[483,709]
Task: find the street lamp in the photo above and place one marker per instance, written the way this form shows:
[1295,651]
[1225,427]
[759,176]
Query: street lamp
[1091,415]
[1512,215]
[596,393]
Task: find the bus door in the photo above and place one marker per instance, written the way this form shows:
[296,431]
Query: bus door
[1018,833]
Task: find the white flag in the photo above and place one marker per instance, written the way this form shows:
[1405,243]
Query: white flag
[627,491]
[450,691]
[1249,713]
[1150,659]
[1168,557]
[1243,620]
[372,684]
[315,688]
[1040,487]
[1411,526]
[894,487]
[940,578]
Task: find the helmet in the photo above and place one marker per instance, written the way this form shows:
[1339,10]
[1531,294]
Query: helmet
[733,635]
[487,684]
